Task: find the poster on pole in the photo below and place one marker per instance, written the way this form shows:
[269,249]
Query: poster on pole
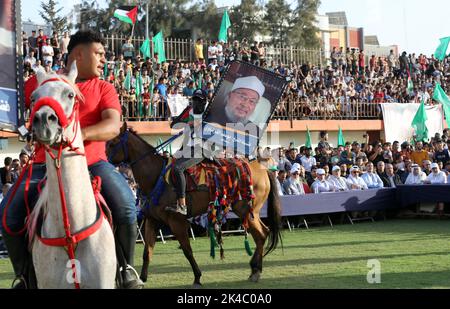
[242,107]
[11,78]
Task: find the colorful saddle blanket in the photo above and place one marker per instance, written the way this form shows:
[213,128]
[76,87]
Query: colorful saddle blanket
[228,181]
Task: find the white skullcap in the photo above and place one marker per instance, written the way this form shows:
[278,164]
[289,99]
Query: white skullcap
[336,168]
[295,168]
[249,82]
[434,165]
[320,171]
[354,168]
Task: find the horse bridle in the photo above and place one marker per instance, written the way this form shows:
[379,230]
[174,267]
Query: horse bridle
[123,143]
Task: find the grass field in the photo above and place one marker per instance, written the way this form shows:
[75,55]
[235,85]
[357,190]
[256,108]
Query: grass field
[412,253]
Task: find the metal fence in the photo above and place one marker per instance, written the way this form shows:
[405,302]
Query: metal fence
[183,49]
[290,109]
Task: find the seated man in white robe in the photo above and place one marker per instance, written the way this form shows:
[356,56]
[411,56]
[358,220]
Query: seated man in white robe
[372,180]
[354,182]
[293,185]
[417,177]
[437,177]
[339,183]
[321,185]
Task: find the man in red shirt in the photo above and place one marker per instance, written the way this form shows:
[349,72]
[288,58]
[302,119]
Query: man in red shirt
[41,41]
[100,121]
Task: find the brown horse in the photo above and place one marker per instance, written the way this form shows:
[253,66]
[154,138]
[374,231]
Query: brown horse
[147,165]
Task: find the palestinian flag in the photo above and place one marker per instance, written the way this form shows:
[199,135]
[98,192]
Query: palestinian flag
[126,14]
[184,117]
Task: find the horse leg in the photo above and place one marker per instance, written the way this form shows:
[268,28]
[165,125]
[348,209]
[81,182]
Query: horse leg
[179,227]
[150,241]
[259,232]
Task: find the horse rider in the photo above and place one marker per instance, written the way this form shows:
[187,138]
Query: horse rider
[100,121]
[192,151]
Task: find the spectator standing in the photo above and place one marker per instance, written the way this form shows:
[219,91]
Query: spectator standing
[24,44]
[307,160]
[64,43]
[54,42]
[212,52]
[32,44]
[199,50]
[128,50]
[41,41]
[254,57]
[5,171]
[47,53]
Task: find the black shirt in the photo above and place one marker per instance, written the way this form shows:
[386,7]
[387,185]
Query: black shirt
[442,156]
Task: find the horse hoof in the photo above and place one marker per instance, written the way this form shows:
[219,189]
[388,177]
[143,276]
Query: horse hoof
[197,286]
[254,277]
[143,278]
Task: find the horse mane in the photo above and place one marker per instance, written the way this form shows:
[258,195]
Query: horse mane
[40,207]
[134,132]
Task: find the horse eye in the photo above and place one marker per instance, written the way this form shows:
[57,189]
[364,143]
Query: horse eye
[71,95]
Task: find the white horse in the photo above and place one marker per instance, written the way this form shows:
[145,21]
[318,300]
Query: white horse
[58,130]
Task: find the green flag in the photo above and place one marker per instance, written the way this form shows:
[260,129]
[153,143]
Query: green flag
[308,143]
[441,51]
[158,45]
[440,96]
[139,90]
[145,49]
[341,139]
[105,71]
[127,81]
[223,33]
[410,86]
[419,125]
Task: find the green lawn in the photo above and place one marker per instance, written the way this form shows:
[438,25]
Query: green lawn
[412,253]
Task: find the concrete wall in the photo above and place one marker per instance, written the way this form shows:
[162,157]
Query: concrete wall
[269,139]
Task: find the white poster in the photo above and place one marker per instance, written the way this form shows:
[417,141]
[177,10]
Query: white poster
[399,116]
[177,104]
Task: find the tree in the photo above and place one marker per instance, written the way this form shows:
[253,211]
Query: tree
[246,20]
[304,31]
[278,21]
[50,15]
[206,19]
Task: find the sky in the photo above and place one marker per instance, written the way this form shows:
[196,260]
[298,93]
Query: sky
[407,23]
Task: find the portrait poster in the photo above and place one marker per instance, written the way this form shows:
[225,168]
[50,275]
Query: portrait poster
[10,78]
[242,107]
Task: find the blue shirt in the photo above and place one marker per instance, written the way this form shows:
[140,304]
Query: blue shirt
[162,90]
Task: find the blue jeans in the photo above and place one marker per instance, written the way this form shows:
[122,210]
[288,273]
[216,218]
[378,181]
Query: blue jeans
[115,190]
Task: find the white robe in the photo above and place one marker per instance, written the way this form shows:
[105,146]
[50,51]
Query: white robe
[358,181]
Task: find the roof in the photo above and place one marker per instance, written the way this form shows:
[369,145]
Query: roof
[337,18]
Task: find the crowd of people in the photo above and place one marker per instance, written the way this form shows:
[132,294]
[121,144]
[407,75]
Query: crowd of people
[356,166]
[314,91]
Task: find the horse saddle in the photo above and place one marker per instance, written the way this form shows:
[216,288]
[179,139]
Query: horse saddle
[232,177]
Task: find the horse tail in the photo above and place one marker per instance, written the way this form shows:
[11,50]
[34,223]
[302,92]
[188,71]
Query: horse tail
[273,216]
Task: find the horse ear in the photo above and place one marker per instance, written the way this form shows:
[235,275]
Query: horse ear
[124,127]
[73,72]
[41,75]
